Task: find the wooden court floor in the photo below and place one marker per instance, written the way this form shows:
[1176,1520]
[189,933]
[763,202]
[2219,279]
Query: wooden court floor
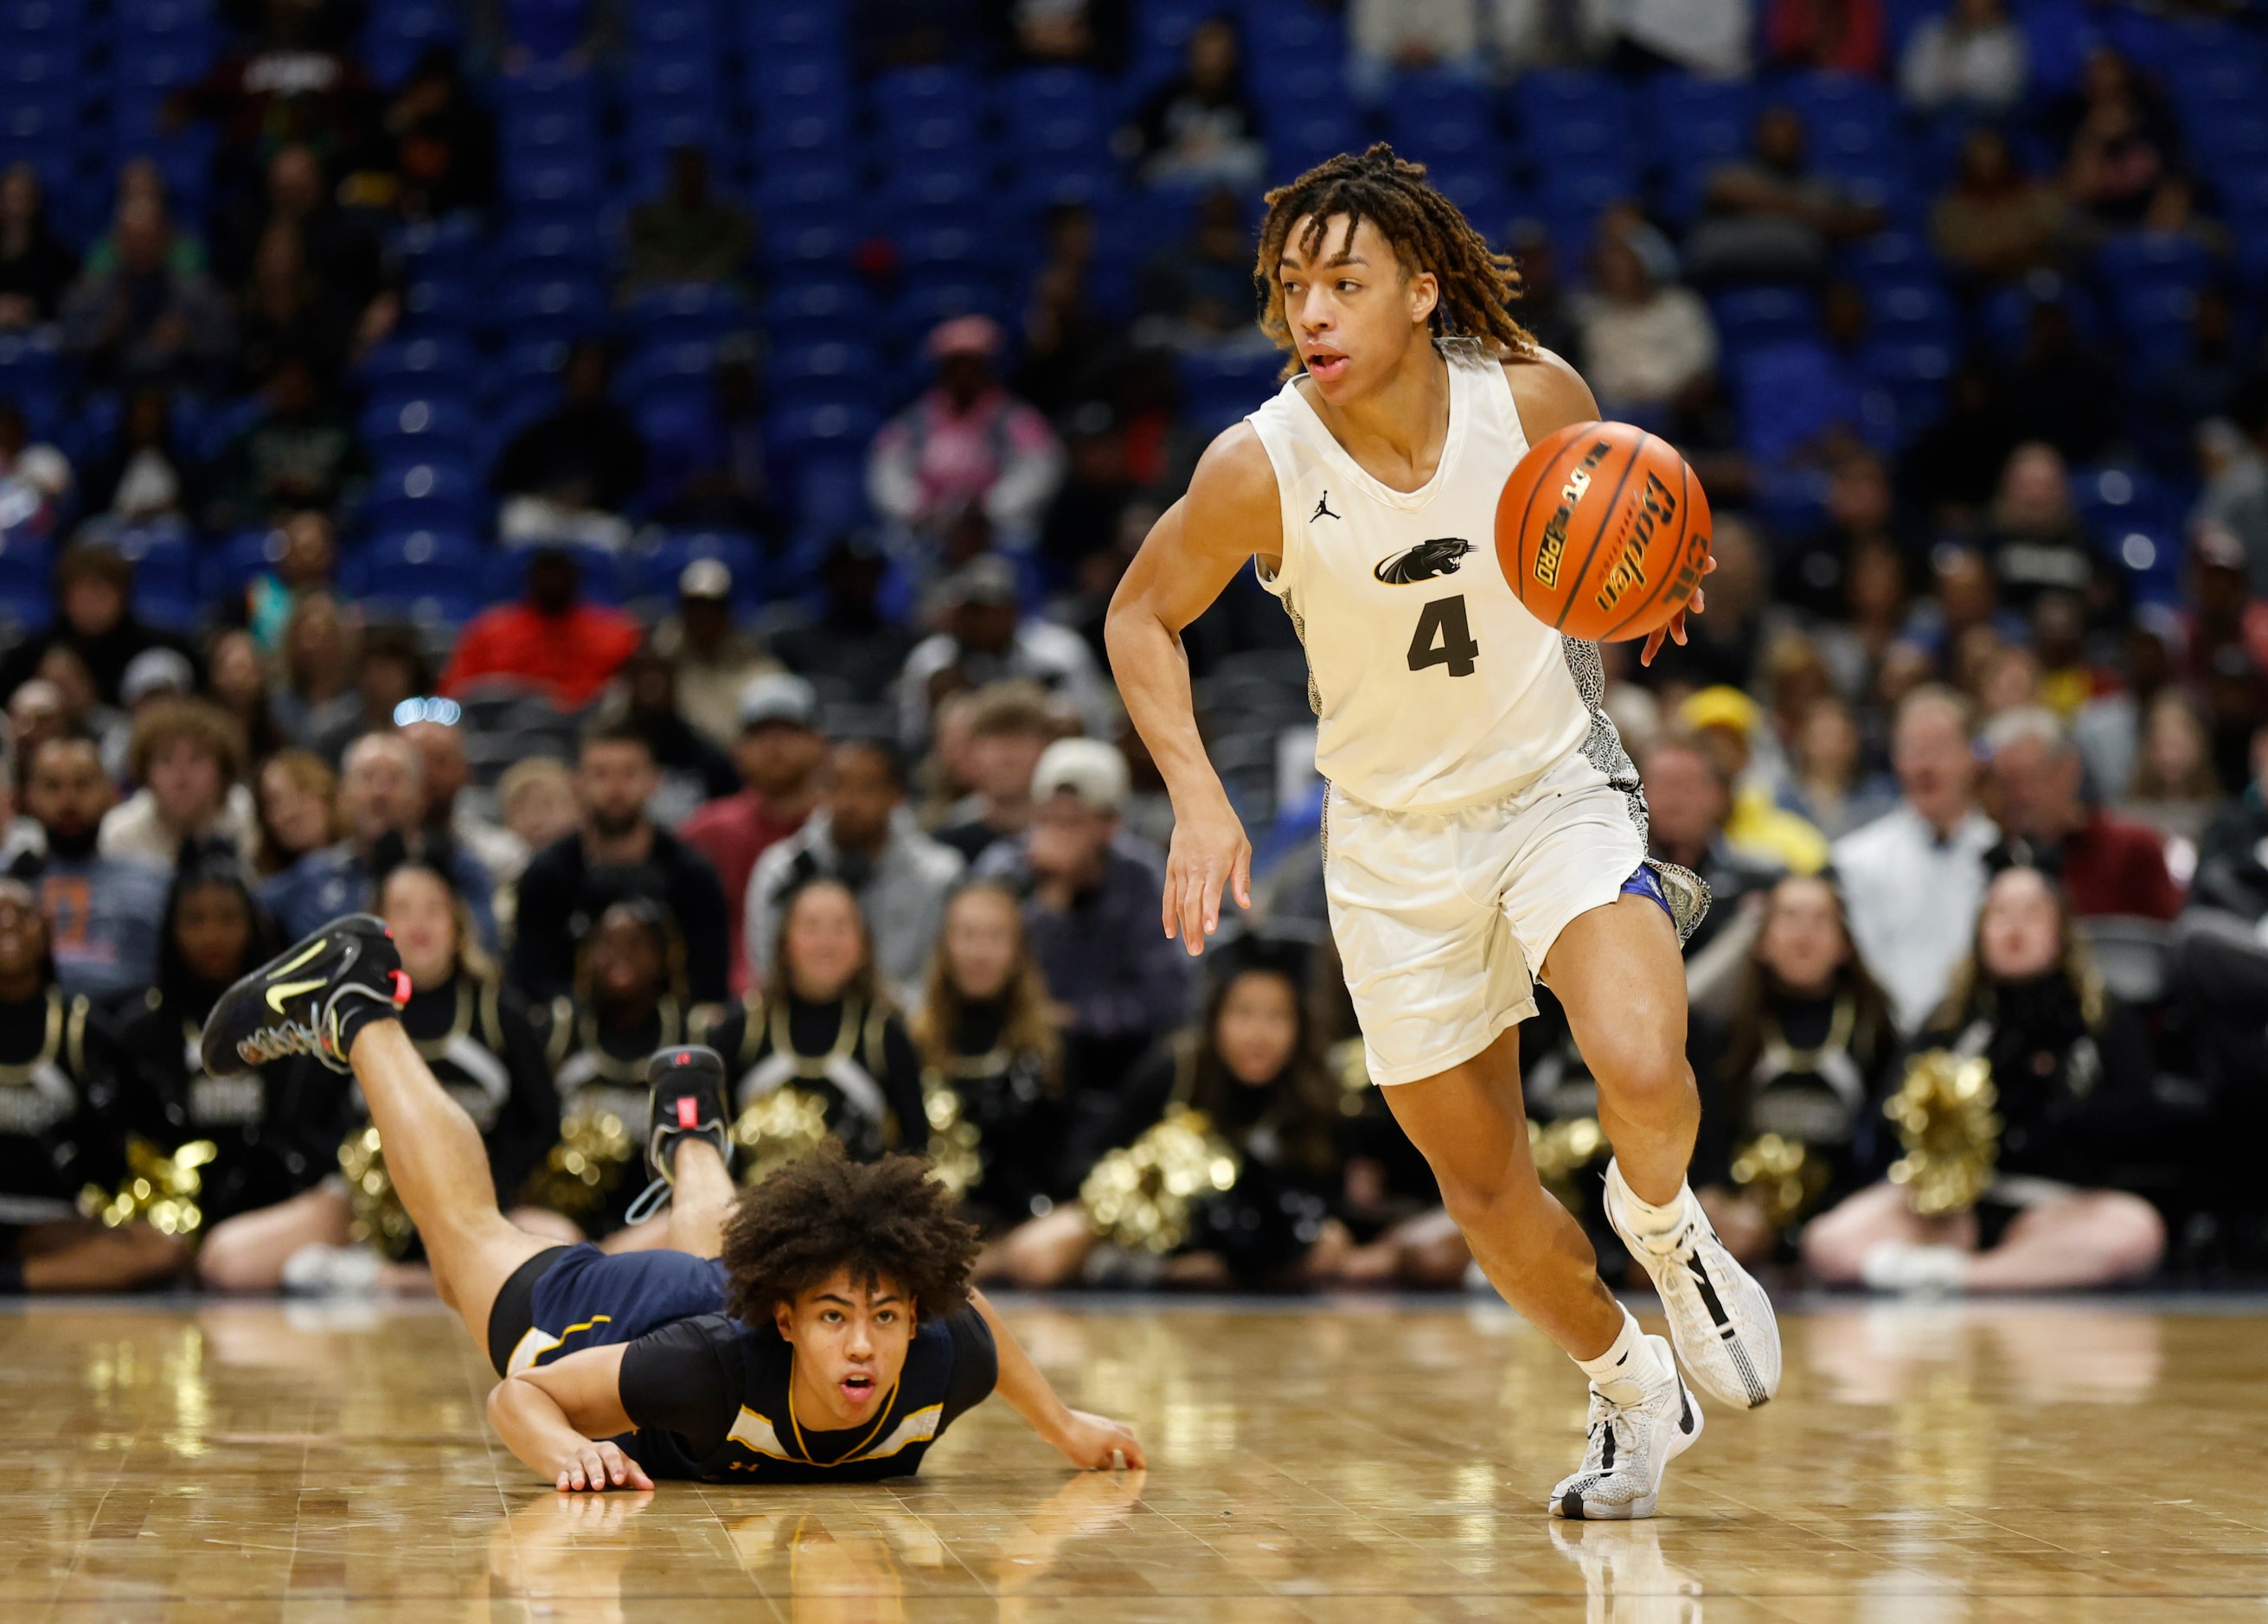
[1365,1463]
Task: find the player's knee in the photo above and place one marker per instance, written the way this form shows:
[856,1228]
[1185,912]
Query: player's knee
[2130,1237]
[1833,1243]
[1643,1076]
[137,1255]
[225,1264]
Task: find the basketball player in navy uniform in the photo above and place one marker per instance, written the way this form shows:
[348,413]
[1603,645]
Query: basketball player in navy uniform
[834,1340]
[1483,829]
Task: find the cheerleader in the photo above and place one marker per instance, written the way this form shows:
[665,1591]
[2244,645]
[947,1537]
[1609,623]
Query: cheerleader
[820,1051]
[1249,1079]
[63,1119]
[2072,1077]
[1792,1081]
[263,1146]
[629,1001]
[992,1065]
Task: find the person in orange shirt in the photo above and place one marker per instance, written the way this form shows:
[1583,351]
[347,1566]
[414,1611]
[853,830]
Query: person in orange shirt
[549,639]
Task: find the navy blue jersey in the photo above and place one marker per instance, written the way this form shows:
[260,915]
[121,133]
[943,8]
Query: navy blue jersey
[710,1398]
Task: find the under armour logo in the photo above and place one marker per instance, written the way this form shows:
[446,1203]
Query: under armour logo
[1322,509]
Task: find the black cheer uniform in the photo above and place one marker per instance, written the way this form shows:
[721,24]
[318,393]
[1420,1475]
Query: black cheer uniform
[1012,1098]
[1818,1080]
[487,1053]
[63,1109]
[275,1131]
[600,1071]
[853,1056]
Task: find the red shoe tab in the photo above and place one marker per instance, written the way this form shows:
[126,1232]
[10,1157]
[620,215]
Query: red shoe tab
[401,979]
[688,1116]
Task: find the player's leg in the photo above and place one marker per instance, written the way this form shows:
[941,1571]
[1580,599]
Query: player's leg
[701,1198]
[1469,1124]
[247,1252]
[1838,1242]
[1616,969]
[335,994]
[440,1166]
[2090,1237]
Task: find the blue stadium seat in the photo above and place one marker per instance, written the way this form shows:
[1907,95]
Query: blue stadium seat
[925,304]
[800,190]
[604,574]
[2007,315]
[1912,312]
[437,563]
[796,432]
[672,78]
[552,178]
[675,24]
[402,31]
[925,187]
[532,251]
[1217,389]
[1440,119]
[1914,376]
[231,566]
[1696,124]
[1302,136]
[813,248]
[439,495]
[400,433]
[675,371]
[829,370]
[786,26]
[1748,317]
[441,304]
[557,307]
[682,312]
[447,364]
[1786,393]
[2138,518]
[811,309]
[830,488]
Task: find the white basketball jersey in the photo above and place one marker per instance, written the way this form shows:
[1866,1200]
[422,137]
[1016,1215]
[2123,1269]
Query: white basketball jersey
[1433,686]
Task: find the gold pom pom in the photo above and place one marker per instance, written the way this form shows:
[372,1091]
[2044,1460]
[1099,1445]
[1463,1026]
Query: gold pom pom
[1142,1197]
[1952,1137]
[160,1189]
[784,1124]
[1562,1148]
[584,1168]
[380,1220]
[1782,1174]
[956,1159]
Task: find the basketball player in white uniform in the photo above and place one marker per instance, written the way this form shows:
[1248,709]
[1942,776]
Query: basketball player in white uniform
[1482,826]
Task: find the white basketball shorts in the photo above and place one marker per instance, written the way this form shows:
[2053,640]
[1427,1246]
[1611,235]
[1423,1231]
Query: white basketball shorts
[1443,918]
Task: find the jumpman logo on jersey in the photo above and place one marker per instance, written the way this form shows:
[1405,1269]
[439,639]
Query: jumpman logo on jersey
[1322,509]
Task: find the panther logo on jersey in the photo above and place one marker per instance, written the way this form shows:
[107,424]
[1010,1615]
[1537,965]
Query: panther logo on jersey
[1423,562]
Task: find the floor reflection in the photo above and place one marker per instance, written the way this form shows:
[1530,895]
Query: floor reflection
[2040,1352]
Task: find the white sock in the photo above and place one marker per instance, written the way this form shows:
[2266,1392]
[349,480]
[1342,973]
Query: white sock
[1642,1218]
[1626,1372]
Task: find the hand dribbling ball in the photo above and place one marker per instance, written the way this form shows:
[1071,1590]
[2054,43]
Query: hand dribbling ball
[1603,531]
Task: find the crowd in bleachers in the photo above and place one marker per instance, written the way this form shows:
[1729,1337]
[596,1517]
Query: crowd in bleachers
[630,493]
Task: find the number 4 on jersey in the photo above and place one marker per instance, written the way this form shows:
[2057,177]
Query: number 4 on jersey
[1444,637]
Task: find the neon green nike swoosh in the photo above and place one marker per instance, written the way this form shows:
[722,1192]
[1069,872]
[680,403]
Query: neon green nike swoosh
[286,989]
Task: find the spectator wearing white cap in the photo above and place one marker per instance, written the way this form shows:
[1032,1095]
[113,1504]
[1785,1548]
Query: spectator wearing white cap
[779,751]
[863,835]
[986,638]
[715,659]
[966,442]
[1091,906]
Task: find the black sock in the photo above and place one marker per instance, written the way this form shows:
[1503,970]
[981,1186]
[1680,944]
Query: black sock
[356,1014]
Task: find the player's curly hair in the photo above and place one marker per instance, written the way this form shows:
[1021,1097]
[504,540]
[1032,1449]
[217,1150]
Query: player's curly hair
[883,1221]
[1427,232]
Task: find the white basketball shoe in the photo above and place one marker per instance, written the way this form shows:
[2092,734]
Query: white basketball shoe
[1630,1447]
[1720,1321]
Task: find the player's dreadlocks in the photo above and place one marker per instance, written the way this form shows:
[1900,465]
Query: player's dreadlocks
[883,1221]
[1427,233]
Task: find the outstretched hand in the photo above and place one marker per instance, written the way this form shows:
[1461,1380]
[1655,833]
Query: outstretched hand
[1675,631]
[1098,1444]
[600,1466]
[1209,850]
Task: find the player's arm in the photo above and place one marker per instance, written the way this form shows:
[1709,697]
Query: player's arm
[1088,1441]
[1192,553]
[1551,394]
[557,1417]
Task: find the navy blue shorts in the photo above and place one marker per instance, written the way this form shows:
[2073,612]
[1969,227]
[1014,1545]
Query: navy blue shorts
[572,1298]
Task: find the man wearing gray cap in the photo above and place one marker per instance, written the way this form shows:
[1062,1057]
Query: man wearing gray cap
[715,659]
[986,640]
[1090,906]
[779,752]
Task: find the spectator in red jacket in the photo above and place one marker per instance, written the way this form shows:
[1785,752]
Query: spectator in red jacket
[779,751]
[2035,788]
[549,639]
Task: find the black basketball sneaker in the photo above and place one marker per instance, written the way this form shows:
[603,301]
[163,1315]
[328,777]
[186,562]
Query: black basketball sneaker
[309,999]
[689,1097]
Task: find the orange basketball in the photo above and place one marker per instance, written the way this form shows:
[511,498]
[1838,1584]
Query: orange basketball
[1602,531]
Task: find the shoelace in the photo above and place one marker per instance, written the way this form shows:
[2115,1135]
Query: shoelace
[651,1200]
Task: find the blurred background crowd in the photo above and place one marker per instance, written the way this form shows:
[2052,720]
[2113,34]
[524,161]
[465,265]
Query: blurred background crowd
[630,491]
